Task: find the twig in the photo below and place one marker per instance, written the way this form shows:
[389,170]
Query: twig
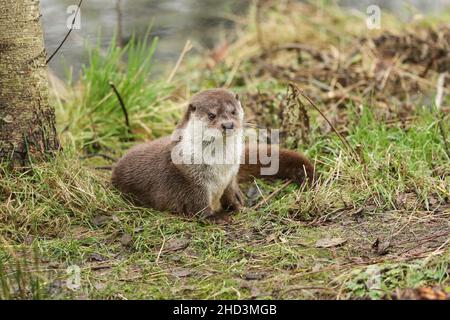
[101,266]
[67,35]
[436,252]
[344,141]
[162,246]
[259,190]
[186,49]
[440,90]
[106,168]
[425,239]
[122,105]
[259,204]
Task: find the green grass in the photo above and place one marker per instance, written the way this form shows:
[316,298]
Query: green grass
[56,208]
[65,213]
[93,119]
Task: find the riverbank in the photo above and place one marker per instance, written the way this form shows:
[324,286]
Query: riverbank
[375,226]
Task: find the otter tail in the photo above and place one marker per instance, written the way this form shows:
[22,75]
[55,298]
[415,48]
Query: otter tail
[291,165]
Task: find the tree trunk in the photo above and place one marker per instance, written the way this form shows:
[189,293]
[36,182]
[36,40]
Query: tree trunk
[27,121]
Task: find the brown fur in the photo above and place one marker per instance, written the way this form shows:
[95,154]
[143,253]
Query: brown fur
[147,175]
[219,102]
[293,166]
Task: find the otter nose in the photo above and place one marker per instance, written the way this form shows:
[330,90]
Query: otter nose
[227,125]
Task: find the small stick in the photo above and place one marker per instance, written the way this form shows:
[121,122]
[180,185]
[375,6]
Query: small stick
[162,246]
[106,168]
[344,141]
[122,105]
[186,49]
[425,239]
[259,190]
[444,136]
[440,90]
[271,195]
[67,35]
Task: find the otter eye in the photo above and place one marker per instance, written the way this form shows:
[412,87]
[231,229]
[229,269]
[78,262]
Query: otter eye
[233,112]
[211,116]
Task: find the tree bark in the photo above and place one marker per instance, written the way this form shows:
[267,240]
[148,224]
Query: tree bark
[27,121]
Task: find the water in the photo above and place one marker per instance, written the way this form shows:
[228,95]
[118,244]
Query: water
[205,22]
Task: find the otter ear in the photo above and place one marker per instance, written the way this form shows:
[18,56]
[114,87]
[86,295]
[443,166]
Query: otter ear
[237,97]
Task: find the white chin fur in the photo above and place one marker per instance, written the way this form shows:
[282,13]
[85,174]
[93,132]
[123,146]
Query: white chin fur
[210,146]
[222,154]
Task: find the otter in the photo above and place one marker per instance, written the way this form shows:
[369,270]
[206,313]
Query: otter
[196,171]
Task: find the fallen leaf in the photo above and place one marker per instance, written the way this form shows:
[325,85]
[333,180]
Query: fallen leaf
[181,272]
[254,276]
[100,220]
[423,293]
[100,286]
[96,257]
[252,196]
[138,229]
[317,267]
[176,245]
[283,239]
[407,200]
[381,247]
[370,208]
[330,242]
[221,218]
[126,239]
[376,243]
[271,238]
[53,265]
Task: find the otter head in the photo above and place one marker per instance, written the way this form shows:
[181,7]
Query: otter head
[211,130]
[217,112]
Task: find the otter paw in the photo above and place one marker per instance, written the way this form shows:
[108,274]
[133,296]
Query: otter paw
[234,202]
[240,197]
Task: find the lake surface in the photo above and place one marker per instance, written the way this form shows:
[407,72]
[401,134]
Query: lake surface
[204,22]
